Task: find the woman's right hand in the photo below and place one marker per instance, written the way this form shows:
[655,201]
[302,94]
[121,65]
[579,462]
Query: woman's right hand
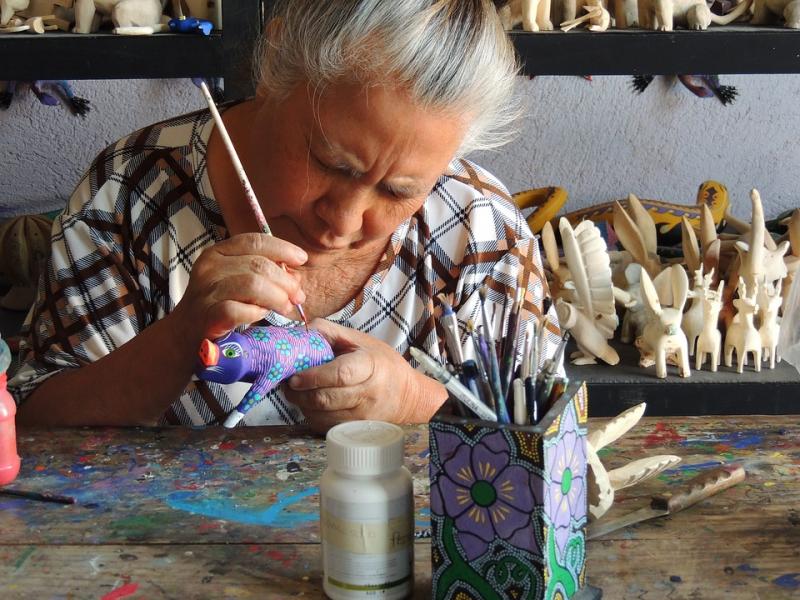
[238,280]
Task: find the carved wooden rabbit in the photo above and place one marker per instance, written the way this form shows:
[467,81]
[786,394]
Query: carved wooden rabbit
[769,301]
[710,340]
[662,335]
[123,13]
[9,7]
[742,334]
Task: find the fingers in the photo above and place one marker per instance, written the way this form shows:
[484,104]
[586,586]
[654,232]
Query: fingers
[346,370]
[341,338]
[326,399]
[275,249]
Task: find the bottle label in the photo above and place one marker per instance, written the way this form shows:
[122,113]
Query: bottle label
[370,550]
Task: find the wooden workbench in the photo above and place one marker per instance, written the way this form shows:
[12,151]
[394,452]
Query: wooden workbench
[180,513]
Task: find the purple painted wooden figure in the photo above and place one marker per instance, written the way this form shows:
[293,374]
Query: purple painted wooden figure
[265,356]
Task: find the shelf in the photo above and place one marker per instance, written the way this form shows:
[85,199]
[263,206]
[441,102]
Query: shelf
[731,49]
[59,55]
[614,389]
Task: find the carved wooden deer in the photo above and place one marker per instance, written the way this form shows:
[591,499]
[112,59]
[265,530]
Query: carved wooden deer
[710,340]
[692,322]
[742,334]
[769,301]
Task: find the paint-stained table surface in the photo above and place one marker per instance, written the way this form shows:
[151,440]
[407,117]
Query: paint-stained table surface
[179,513]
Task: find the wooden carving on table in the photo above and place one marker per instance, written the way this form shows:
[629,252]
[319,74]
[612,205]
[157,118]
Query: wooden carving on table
[692,322]
[587,311]
[603,484]
[769,301]
[662,336]
[534,15]
[8,8]
[663,15]
[768,12]
[709,342]
[742,334]
[127,15]
[596,15]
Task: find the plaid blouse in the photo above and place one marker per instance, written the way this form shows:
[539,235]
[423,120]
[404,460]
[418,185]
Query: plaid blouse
[124,247]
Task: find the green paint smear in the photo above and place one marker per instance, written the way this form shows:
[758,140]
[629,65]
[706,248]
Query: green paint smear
[137,527]
[25,556]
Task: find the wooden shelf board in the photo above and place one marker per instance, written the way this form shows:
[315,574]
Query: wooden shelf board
[730,49]
[613,389]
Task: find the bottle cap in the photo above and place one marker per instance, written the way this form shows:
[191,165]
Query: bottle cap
[365,447]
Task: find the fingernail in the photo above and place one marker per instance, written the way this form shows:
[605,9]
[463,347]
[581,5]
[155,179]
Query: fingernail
[294,382]
[302,256]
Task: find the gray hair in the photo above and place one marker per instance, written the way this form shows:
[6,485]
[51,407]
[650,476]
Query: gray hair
[451,55]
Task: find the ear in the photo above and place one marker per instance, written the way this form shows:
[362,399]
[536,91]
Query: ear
[629,234]
[783,248]
[649,294]
[680,287]
[633,273]
[689,243]
[663,286]
[550,246]
[742,247]
[644,222]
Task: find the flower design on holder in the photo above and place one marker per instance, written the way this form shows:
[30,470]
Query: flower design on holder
[565,497]
[486,495]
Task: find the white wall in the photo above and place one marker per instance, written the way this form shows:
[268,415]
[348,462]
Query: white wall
[598,139]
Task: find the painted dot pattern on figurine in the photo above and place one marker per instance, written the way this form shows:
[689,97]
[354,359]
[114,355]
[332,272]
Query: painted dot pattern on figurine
[265,356]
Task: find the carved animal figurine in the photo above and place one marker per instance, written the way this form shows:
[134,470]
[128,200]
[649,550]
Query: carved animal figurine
[123,13]
[742,334]
[9,7]
[592,317]
[533,14]
[263,356]
[635,316]
[661,15]
[666,215]
[766,12]
[662,335]
[597,16]
[760,257]
[692,323]
[710,340]
[769,302]
[637,232]
[602,484]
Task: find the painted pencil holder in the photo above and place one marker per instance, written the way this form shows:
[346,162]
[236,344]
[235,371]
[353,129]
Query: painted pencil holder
[508,505]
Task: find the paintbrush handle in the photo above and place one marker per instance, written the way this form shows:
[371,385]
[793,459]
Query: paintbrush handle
[699,488]
[237,164]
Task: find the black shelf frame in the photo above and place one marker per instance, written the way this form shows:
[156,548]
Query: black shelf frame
[739,49]
[60,55]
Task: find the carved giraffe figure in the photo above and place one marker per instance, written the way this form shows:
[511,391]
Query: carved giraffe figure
[742,334]
[710,340]
[769,301]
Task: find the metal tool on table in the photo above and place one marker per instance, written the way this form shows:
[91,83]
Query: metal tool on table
[699,488]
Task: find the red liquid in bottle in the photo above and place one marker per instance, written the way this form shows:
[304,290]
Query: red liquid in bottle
[9,459]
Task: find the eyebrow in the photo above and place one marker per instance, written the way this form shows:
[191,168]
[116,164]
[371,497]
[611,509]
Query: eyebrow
[345,162]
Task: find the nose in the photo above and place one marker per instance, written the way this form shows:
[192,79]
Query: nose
[343,209]
[208,353]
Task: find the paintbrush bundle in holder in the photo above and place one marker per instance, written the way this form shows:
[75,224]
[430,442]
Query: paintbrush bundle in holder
[509,374]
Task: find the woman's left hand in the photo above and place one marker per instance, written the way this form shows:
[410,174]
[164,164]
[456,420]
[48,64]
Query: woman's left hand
[367,380]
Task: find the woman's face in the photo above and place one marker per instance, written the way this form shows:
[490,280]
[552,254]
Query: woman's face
[345,168]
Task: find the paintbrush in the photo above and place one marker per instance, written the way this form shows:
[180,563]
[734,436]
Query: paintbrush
[239,168]
[40,496]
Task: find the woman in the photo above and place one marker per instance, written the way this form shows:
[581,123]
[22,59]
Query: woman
[349,144]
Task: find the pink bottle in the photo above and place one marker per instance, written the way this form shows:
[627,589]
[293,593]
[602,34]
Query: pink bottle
[9,459]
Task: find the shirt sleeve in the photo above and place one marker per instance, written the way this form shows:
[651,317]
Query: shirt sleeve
[89,299]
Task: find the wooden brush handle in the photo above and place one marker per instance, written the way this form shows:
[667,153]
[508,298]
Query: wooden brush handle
[699,488]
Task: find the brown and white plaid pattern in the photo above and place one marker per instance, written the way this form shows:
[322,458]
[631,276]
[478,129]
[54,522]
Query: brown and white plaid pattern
[124,247]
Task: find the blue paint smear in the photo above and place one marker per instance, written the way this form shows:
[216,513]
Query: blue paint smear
[695,467]
[425,520]
[272,516]
[747,568]
[737,439]
[789,581]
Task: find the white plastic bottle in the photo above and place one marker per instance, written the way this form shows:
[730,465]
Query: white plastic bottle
[367,514]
